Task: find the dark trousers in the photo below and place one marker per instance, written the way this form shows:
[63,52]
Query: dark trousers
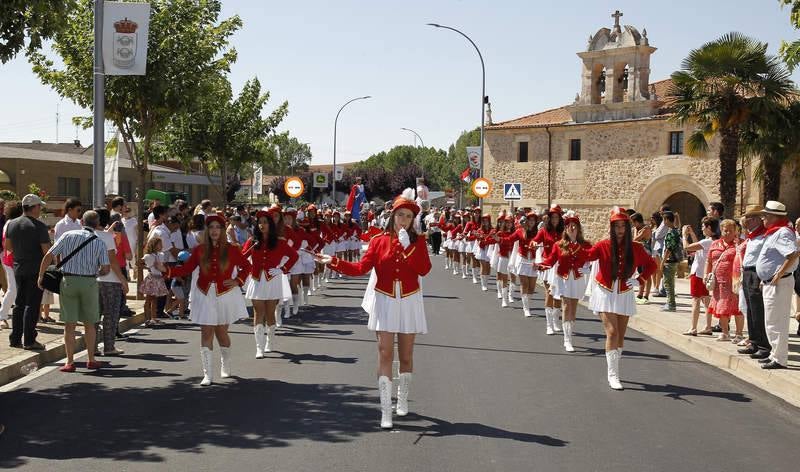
[25,315]
[756,330]
[436,242]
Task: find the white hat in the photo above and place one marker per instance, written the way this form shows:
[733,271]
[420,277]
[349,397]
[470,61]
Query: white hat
[30,200]
[772,207]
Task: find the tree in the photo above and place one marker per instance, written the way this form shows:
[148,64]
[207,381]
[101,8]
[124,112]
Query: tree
[186,42]
[292,156]
[35,19]
[721,87]
[790,51]
[775,141]
[227,135]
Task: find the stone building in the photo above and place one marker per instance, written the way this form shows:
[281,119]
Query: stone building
[614,145]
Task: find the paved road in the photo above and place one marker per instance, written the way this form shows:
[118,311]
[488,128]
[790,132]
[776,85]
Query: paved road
[491,393]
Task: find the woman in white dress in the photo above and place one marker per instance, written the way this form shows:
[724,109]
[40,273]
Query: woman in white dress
[393,300]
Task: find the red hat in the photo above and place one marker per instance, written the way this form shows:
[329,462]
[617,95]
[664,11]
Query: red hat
[328,212]
[336,213]
[262,214]
[311,207]
[571,217]
[532,214]
[406,200]
[555,209]
[274,210]
[218,218]
[619,214]
[486,216]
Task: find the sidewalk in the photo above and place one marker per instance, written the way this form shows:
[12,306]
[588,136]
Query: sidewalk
[669,328]
[12,360]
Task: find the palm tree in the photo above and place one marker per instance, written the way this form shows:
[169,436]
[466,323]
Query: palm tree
[724,87]
[775,139]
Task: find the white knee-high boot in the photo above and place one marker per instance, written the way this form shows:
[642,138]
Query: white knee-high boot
[474,275]
[568,336]
[207,360]
[499,289]
[484,287]
[403,387]
[464,271]
[259,331]
[504,297]
[612,360]
[385,389]
[548,314]
[526,310]
[278,317]
[557,320]
[511,287]
[269,339]
[225,363]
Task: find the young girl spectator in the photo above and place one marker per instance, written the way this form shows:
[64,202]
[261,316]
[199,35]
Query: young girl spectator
[697,287]
[153,287]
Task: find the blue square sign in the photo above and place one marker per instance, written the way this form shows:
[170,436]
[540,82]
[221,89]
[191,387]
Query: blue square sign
[512,191]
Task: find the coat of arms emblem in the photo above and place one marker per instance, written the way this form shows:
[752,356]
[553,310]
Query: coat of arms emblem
[125,43]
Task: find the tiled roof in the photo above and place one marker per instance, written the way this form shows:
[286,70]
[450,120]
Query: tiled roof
[560,116]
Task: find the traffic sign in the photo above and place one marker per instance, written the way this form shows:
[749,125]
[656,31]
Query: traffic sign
[294,187]
[320,180]
[512,191]
[481,187]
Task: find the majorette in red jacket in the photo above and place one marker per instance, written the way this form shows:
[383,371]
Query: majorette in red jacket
[392,264]
[570,260]
[601,252]
[547,239]
[214,273]
[526,247]
[265,259]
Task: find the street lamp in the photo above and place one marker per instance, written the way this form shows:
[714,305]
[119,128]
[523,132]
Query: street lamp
[416,135]
[483,88]
[335,123]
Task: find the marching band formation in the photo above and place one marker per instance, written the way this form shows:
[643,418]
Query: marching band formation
[290,256]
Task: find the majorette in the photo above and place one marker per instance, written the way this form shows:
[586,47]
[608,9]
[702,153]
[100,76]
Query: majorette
[525,266]
[393,300]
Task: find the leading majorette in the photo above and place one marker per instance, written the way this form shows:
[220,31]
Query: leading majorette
[613,294]
[398,258]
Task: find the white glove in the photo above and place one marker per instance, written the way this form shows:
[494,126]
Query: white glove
[404,239]
[274,272]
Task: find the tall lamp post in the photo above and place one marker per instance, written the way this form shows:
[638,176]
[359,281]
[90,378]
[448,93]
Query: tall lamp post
[335,123]
[417,136]
[483,89]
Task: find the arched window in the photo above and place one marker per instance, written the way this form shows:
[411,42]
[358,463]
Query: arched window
[4,178]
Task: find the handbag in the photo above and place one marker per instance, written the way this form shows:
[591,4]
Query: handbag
[711,280]
[51,281]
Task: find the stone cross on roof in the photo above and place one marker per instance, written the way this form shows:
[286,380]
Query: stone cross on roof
[616,16]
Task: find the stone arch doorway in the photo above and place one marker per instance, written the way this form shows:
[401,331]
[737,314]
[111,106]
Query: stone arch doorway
[659,190]
[689,207]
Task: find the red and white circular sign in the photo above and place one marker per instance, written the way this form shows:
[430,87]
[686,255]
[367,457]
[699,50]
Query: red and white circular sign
[294,187]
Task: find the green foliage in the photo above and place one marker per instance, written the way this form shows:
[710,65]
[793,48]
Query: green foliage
[285,155]
[8,195]
[790,51]
[34,189]
[35,19]
[725,87]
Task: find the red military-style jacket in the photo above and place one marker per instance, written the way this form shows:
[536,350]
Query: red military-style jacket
[214,273]
[485,238]
[392,264]
[547,239]
[327,233]
[569,261]
[527,246]
[601,252]
[265,259]
[469,230]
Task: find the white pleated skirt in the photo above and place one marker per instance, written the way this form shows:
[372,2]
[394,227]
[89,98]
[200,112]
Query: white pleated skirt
[297,268]
[263,289]
[512,258]
[212,310]
[342,246]
[355,244]
[494,255]
[502,265]
[9,295]
[525,267]
[605,301]
[569,287]
[329,249]
[394,314]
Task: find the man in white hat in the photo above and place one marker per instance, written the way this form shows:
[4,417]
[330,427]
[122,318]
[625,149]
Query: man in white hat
[775,266]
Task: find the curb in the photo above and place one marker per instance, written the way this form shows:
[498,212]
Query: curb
[774,382]
[11,369]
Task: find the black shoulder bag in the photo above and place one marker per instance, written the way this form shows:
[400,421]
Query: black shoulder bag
[53,275]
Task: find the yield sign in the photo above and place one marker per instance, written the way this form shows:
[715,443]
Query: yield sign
[512,191]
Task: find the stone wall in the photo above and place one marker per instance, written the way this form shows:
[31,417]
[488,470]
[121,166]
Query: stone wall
[622,163]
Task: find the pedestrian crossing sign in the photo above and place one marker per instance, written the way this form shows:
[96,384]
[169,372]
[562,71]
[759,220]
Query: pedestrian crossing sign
[512,191]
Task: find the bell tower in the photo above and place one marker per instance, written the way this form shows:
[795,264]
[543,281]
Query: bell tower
[615,80]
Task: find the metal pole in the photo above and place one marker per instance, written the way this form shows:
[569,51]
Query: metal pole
[483,92]
[416,135]
[335,123]
[98,170]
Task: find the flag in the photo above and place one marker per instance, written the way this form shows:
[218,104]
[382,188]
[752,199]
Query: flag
[354,201]
[466,176]
[258,181]
[112,166]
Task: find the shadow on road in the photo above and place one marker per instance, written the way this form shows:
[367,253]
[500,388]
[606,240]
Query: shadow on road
[443,428]
[678,392]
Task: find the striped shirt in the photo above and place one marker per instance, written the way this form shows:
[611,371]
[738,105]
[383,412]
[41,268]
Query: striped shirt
[88,260]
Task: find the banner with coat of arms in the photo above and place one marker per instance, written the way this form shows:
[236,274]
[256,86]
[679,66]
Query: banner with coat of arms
[125,29]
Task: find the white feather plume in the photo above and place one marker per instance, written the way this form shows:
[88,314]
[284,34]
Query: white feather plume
[408,194]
